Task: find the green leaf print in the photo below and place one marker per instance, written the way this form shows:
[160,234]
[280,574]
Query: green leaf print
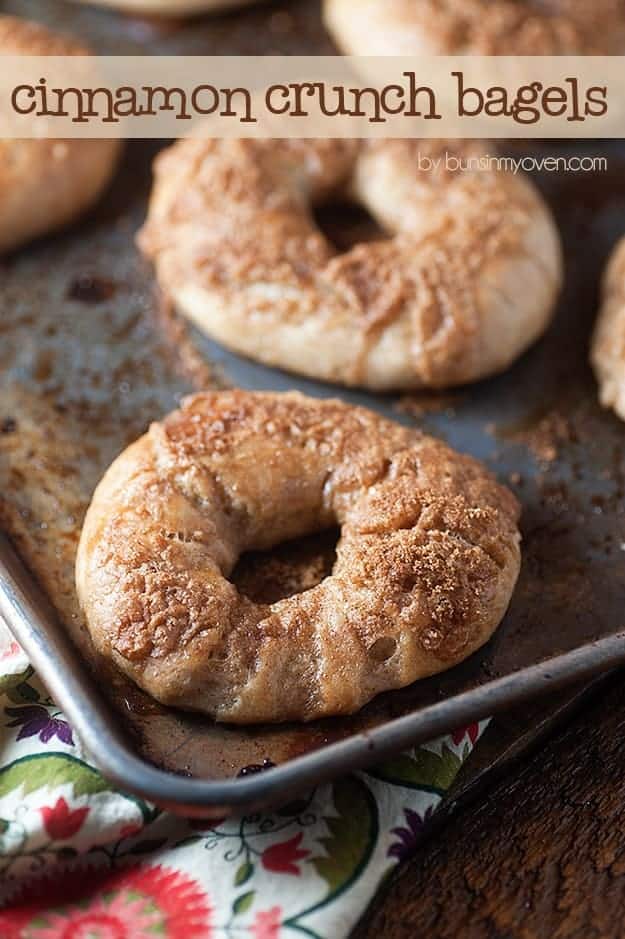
[41,770]
[243,873]
[51,769]
[16,687]
[423,769]
[243,903]
[352,838]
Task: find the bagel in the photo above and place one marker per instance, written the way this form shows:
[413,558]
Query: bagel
[45,184]
[466,284]
[170,8]
[425,566]
[608,343]
[477,27]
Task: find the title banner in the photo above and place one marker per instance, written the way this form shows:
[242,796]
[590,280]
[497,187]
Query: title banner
[313,96]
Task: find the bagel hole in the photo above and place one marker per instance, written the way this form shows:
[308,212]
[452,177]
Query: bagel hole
[287,569]
[346,224]
[382,649]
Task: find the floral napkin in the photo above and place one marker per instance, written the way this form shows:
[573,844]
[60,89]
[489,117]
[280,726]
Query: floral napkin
[80,860]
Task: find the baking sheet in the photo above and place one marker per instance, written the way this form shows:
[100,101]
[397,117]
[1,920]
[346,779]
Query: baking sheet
[88,356]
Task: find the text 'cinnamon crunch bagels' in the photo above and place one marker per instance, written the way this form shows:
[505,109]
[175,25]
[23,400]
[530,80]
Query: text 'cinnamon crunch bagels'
[426,562]
[466,282]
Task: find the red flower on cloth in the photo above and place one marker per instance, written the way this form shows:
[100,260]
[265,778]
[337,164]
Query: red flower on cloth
[139,903]
[282,858]
[9,651]
[472,731]
[267,923]
[60,822]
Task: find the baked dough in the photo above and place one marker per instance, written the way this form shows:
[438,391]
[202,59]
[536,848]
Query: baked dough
[426,562]
[608,344]
[45,184]
[170,8]
[477,27]
[465,285]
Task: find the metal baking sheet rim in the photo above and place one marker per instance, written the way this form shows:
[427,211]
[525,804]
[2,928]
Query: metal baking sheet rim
[35,625]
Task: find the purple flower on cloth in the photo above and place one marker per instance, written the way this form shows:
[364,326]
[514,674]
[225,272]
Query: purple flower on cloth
[33,719]
[410,836]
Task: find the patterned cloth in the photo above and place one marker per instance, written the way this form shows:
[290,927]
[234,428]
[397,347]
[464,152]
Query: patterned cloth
[79,859]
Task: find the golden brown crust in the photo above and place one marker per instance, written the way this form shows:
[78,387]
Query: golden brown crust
[608,343]
[426,562]
[45,184]
[477,27]
[465,285]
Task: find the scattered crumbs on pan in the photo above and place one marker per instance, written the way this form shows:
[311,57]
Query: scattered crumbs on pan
[418,405]
[488,670]
[516,479]
[90,288]
[554,494]
[544,437]
[8,425]
[43,365]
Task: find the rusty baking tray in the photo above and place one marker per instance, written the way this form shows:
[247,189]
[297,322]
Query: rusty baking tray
[89,355]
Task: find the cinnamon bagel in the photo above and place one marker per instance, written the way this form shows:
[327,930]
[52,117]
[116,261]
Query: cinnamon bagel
[608,344]
[477,27]
[464,286]
[170,8]
[425,566]
[45,184]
